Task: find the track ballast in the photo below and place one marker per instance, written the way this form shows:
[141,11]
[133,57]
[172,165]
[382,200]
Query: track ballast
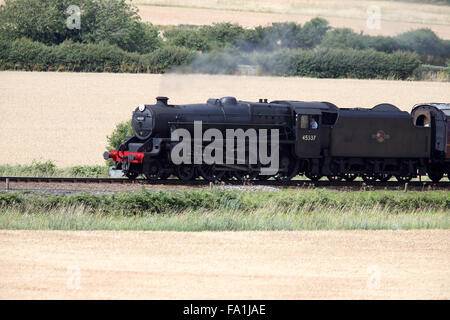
[423,185]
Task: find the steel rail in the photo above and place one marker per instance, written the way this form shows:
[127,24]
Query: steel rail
[274,183]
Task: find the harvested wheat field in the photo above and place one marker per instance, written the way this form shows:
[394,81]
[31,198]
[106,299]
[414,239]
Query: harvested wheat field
[65,117]
[395,16]
[225,265]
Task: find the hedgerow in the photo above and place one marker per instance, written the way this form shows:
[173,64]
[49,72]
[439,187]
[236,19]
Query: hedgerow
[146,202]
[34,37]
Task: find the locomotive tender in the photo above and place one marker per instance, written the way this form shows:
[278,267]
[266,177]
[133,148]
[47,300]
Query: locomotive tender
[315,139]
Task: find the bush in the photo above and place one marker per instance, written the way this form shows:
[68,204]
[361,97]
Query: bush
[283,35]
[300,202]
[89,171]
[340,63]
[166,57]
[28,53]
[122,130]
[37,168]
[222,34]
[423,41]
[93,57]
[101,57]
[188,38]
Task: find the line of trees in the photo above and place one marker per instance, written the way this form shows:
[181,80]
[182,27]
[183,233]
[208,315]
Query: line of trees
[38,35]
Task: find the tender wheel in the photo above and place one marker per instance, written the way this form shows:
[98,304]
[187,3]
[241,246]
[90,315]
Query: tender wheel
[288,168]
[334,178]
[368,178]
[384,177]
[185,172]
[313,177]
[263,177]
[210,173]
[245,175]
[403,178]
[153,170]
[349,176]
[435,173]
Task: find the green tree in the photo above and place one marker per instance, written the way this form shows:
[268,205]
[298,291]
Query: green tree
[314,31]
[115,21]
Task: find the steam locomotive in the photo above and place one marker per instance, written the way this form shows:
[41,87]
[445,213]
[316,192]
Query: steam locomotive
[314,139]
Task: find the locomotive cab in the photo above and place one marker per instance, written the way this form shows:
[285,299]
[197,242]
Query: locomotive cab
[436,116]
[313,122]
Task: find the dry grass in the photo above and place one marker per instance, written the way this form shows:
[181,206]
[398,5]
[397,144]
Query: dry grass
[396,17]
[65,117]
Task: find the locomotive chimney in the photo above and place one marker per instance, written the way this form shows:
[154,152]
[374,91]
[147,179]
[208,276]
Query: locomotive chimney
[162,100]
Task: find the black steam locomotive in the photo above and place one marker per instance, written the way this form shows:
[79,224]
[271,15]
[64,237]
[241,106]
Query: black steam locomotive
[315,139]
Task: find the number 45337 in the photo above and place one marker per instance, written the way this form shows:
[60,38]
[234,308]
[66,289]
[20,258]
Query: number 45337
[309,137]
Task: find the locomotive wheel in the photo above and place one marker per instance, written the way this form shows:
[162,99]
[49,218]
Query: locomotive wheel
[185,172]
[384,177]
[334,178]
[154,170]
[132,175]
[262,177]
[209,172]
[245,175]
[368,178]
[403,178]
[288,168]
[313,177]
[165,174]
[349,176]
[435,173]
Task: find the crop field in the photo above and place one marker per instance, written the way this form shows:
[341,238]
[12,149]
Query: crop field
[396,16]
[65,117]
[225,265]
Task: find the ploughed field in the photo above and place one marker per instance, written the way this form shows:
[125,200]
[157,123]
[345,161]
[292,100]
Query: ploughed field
[65,117]
[396,16]
[225,265]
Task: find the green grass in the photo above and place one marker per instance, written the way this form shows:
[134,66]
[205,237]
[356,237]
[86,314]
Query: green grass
[49,169]
[228,210]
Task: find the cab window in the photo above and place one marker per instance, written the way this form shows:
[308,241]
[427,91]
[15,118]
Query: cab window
[304,122]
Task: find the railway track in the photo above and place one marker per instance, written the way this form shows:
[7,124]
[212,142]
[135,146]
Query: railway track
[421,185]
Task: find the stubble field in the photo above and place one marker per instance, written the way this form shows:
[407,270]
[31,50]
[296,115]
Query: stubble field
[224,265]
[65,117]
[395,16]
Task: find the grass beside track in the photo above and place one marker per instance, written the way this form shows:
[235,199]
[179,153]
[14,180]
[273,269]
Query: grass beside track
[49,169]
[228,210]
